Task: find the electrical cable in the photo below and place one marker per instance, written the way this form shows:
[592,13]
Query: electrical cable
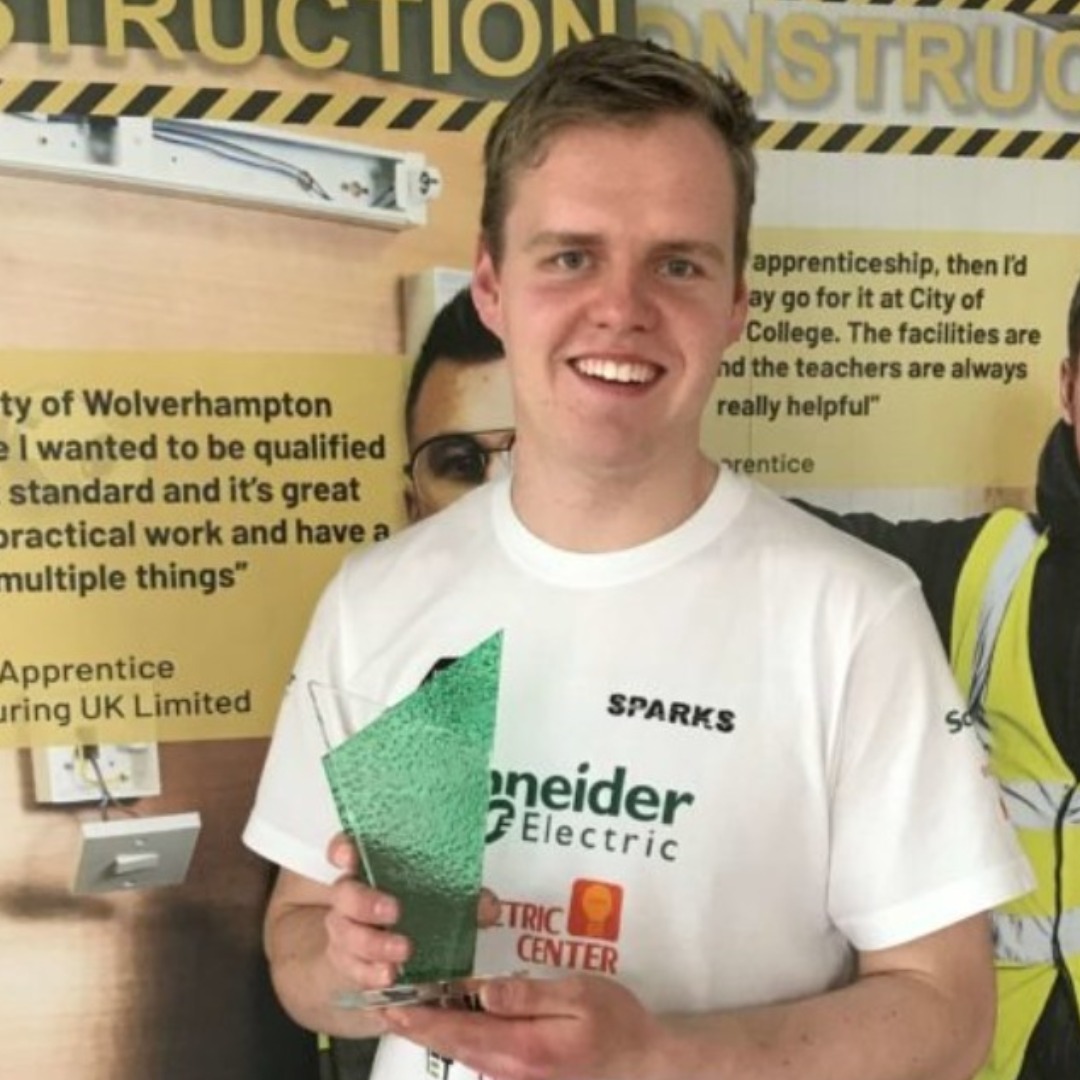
[107,798]
[181,134]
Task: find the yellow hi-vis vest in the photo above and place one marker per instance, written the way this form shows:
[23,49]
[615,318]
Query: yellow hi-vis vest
[1038,935]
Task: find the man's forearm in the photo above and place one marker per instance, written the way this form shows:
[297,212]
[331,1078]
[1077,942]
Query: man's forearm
[306,982]
[892,1026]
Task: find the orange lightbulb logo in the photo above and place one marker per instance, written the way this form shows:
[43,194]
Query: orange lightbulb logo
[595,909]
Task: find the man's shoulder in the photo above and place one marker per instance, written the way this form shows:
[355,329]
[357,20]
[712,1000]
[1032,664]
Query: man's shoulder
[792,532]
[459,532]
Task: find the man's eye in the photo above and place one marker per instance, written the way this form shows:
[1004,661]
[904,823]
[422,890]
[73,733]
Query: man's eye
[570,260]
[681,268]
[462,461]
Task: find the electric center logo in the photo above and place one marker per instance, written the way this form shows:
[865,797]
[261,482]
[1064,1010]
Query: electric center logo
[609,813]
[581,935]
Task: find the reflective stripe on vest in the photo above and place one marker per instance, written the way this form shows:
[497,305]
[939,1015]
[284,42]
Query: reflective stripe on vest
[1029,939]
[1036,804]
[1031,804]
[995,599]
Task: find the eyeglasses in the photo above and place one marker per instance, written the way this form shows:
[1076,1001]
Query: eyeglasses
[445,467]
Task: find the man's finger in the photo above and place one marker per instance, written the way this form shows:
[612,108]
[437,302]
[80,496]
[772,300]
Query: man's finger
[341,851]
[366,942]
[364,974]
[355,901]
[488,909]
[510,998]
[482,1043]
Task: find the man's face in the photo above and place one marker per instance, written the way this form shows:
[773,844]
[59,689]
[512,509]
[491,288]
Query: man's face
[616,294]
[1070,397]
[461,419]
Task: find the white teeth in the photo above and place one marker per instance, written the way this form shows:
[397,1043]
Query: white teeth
[620,371]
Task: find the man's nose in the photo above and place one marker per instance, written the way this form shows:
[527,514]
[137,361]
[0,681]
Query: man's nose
[623,298]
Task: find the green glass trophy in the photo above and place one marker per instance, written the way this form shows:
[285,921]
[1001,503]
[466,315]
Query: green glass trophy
[411,784]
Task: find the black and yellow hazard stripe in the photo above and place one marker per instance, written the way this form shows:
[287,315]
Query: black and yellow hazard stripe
[395,112]
[915,141]
[402,112]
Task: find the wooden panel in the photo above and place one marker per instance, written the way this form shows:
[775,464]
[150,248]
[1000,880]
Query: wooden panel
[164,983]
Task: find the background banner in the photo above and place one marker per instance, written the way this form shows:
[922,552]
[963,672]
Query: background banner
[225,227]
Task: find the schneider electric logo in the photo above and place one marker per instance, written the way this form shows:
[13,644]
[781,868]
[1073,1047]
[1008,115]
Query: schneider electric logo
[607,812]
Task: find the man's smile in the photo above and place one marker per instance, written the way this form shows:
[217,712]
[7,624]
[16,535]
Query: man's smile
[608,369]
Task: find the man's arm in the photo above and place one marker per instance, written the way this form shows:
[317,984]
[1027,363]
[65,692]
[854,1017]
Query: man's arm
[920,1011]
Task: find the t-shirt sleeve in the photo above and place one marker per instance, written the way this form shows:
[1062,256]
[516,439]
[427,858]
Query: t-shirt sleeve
[920,836]
[294,818]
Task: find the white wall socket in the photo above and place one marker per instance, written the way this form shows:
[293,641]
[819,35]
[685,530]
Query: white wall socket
[136,853]
[66,774]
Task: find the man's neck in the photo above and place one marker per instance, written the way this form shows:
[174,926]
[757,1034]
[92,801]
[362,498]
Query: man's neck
[607,510]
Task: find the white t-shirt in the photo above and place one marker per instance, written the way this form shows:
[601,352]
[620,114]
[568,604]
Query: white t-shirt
[721,758]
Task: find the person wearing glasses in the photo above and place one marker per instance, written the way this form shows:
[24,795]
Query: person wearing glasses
[458,412]
[739,838]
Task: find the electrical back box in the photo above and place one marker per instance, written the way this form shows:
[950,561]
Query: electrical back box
[75,774]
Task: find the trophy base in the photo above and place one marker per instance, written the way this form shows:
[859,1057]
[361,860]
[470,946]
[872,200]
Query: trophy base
[460,993]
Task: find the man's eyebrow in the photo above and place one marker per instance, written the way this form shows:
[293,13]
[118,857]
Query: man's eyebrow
[554,238]
[702,248]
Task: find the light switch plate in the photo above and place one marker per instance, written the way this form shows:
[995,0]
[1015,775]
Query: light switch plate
[136,852]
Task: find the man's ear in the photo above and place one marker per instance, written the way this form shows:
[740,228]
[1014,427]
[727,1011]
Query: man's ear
[412,504]
[740,309]
[1067,380]
[485,288]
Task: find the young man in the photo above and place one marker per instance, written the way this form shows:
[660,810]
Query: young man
[735,831]
[1031,714]
[458,413]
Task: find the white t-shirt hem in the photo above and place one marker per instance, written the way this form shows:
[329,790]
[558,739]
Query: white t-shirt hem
[939,909]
